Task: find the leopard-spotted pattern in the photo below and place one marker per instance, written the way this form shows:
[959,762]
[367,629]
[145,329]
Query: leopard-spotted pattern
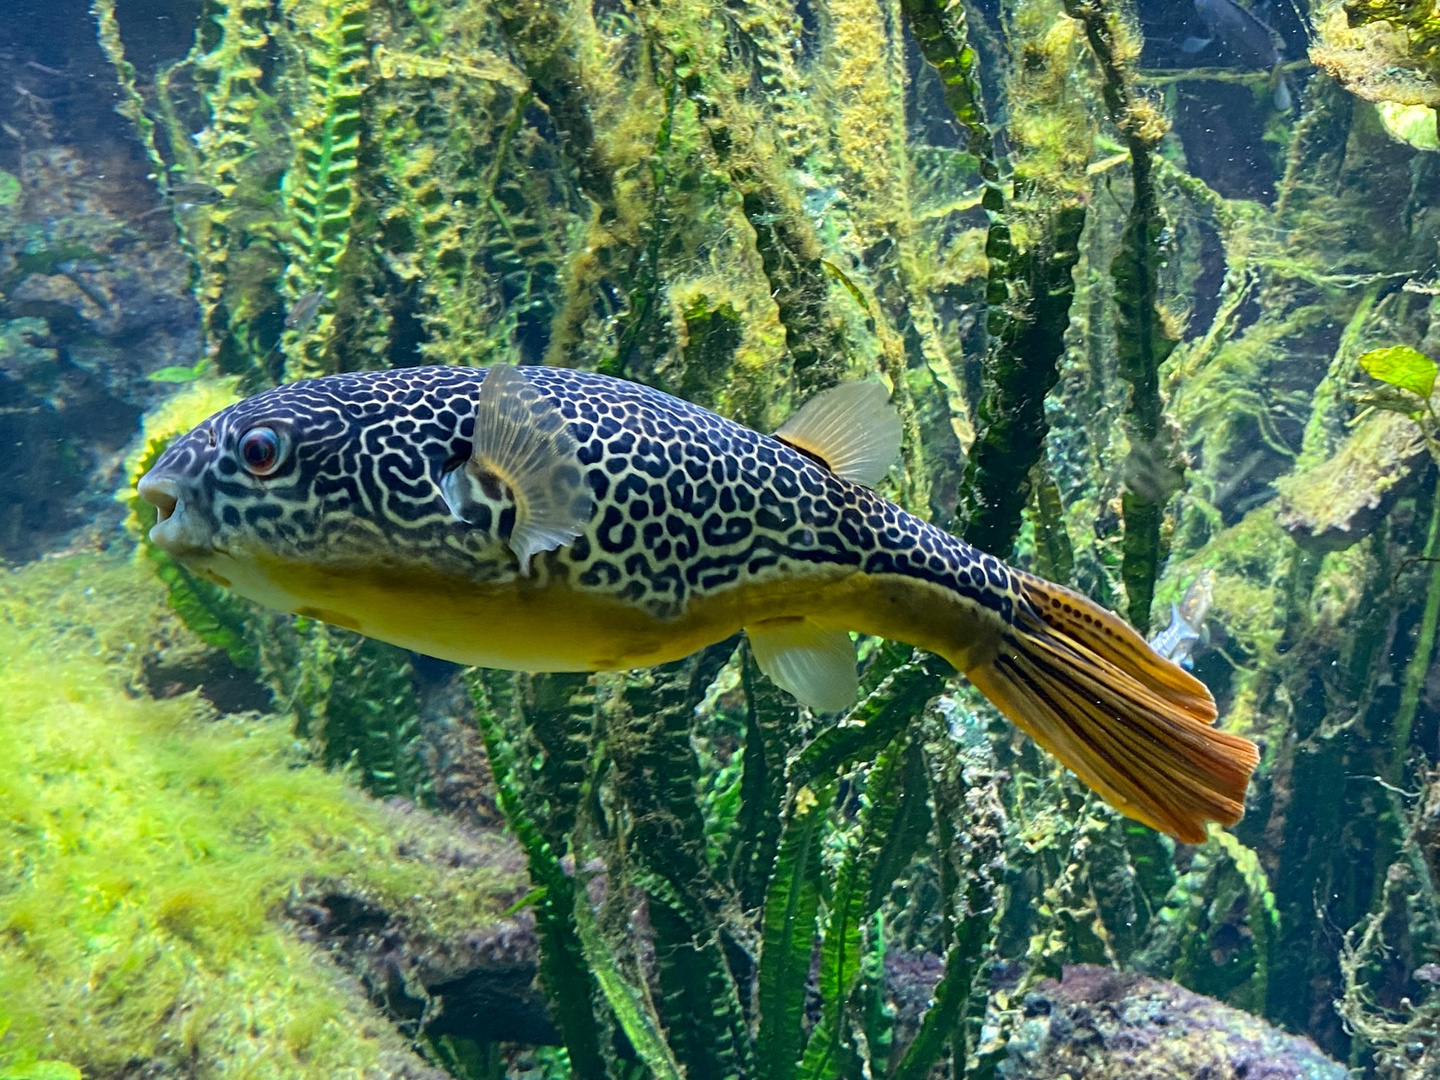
[686,503]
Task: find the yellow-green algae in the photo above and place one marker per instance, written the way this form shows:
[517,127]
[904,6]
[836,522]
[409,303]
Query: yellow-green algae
[149,845]
[1334,503]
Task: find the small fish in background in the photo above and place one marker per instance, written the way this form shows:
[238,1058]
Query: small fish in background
[189,194]
[1247,39]
[186,195]
[299,318]
[1187,629]
[303,313]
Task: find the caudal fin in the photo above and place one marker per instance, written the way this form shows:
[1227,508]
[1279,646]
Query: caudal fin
[1133,726]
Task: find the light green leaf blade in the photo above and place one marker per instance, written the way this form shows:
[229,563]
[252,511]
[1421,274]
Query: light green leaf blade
[1402,366]
[41,1070]
[175,374]
[636,1019]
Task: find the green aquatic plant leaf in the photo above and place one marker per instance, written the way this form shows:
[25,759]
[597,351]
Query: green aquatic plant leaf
[789,933]
[874,722]
[762,783]
[636,1020]
[319,189]
[656,774]
[41,1070]
[179,373]
[9,188]
[881,845]
[1402,366]
[570,983]
[211,613]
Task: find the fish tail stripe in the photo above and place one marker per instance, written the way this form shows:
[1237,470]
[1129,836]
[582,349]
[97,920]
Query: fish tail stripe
[1139,737]
[1102,748]
[1064,616]
[1193,740]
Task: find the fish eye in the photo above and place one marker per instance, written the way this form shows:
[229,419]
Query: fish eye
[260,451]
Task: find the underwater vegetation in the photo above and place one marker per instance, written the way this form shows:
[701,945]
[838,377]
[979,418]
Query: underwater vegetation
[1141,324]
[152,845]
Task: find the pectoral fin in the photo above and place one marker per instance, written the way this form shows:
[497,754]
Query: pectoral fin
[852,428]
[523,451]
[817,666]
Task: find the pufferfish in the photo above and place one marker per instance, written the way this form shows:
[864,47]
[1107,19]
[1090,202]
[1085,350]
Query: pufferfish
[544,519]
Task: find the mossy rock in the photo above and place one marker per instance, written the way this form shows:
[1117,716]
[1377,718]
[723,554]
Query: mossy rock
[1374,61]
[1338,502]
[1098,1023]
[153,850]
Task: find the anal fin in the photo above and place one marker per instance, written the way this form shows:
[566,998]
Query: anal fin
[815,665]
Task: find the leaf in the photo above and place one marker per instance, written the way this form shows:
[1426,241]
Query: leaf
[769,719]
[873,723]
[947,1009]
[828,1053]
[1402,366]
[637,1020]
[176,373]
[530,899]
[854,290]
[41,1070]
[789,936]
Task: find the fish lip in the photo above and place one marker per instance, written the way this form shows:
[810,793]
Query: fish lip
[179,534]
[161,492]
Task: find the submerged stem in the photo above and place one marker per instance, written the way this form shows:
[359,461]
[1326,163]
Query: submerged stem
[1419,665]
[1143,339]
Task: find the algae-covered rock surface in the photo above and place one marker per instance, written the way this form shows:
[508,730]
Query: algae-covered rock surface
[1098,1023]
[157,855]
[1339,500]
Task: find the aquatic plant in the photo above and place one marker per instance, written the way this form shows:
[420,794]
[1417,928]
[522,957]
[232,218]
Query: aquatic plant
[150,845]
[746,203]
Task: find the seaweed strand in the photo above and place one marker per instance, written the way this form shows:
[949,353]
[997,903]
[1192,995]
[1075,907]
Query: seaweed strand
[1027,294]
[1143,338]
[1419,666]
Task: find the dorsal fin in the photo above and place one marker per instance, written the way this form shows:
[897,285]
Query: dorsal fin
[522,442]
[851,428]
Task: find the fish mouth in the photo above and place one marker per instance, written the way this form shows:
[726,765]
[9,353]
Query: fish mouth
[175,532]
[160,492]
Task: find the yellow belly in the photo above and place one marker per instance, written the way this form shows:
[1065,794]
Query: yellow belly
[523,625]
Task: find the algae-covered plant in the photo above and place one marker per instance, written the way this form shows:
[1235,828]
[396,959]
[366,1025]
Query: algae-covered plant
[1155,315]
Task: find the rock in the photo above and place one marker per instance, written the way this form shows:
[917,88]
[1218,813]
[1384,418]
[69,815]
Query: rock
[1373,61]
[1337,503]
[115,294]
[1099,1023]
[92,301]
[470,980]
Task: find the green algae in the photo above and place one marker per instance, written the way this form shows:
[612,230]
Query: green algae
[742,204]
[150,845]
[1337,502]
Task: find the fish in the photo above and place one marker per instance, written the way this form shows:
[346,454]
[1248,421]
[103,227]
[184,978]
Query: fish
[303,313]
[1247,39]
[545,519]
[192,193]
[1187,628]
[187,195]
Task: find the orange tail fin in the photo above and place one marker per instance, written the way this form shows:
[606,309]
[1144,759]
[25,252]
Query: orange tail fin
[1132,725]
